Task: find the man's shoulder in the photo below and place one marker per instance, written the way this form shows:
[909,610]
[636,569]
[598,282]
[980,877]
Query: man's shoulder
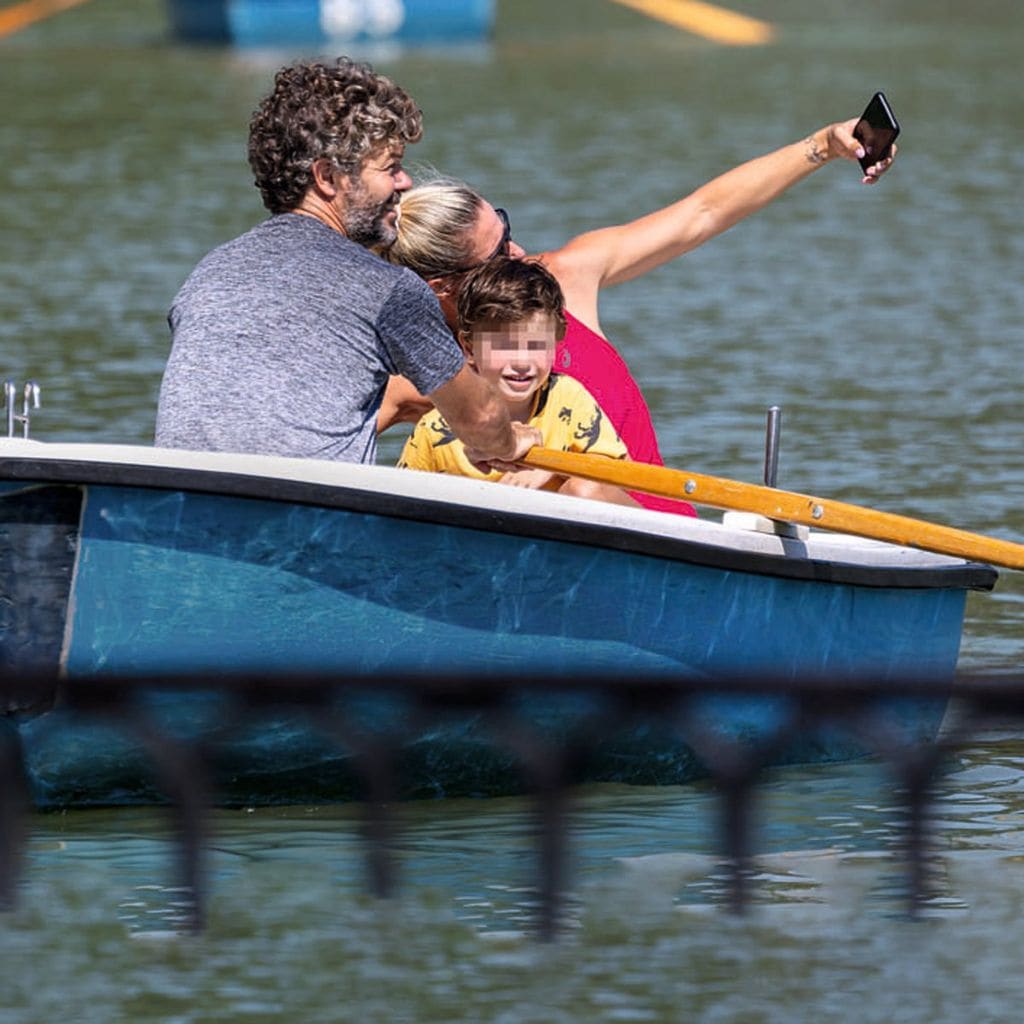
[292,239]
[313,235]
[308,234]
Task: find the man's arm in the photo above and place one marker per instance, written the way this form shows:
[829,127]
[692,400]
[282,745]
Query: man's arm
[480,419]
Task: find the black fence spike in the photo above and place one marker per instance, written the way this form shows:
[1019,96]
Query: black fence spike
[550,763]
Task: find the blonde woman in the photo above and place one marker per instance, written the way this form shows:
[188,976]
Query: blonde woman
[446,228]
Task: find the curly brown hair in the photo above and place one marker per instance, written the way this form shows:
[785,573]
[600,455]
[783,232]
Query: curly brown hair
[342,112]
[507,290]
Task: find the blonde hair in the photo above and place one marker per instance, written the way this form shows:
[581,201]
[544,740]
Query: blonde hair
[435,226]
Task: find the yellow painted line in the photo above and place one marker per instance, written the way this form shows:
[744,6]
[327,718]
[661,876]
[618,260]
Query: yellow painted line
[707,20]
[19,16]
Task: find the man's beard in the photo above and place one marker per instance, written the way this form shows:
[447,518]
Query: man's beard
[363,220]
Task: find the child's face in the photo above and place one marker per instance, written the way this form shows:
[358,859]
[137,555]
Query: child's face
[515,358]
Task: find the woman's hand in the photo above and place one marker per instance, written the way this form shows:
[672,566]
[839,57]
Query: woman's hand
[838,140]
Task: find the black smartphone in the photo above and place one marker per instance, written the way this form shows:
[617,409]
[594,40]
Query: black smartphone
[876,130]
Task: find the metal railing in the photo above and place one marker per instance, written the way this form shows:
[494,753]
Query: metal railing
[29,401]
[550,762]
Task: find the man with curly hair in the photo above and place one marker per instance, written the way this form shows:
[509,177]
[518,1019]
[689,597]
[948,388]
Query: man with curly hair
[284,338]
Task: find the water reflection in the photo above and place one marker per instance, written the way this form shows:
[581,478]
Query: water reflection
[820,831]
[827,933]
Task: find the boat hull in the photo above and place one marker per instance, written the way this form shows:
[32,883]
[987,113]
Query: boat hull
[156,569]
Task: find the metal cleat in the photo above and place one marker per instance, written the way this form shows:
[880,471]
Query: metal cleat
[30,401]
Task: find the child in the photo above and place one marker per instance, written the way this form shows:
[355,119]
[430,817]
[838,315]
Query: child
[510,317]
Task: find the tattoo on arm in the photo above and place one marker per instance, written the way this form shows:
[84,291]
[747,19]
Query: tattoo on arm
[814,153]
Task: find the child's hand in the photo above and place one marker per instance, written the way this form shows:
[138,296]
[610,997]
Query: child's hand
[532,479]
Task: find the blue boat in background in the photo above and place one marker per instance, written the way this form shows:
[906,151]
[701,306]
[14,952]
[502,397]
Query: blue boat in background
[119,559]
[289,23]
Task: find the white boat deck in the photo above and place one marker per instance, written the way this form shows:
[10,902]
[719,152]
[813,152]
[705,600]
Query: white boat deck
[475,494]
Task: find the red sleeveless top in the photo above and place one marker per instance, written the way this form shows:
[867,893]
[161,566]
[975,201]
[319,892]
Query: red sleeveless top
[595,363]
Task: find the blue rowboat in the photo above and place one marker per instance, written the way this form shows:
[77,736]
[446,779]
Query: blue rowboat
[132,560]
[285,23]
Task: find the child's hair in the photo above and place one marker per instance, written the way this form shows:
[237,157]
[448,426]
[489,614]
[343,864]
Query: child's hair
[507,290]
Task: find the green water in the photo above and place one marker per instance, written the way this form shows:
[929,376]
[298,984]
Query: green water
[886,322]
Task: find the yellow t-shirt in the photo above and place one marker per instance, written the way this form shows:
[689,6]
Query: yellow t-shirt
[567,415]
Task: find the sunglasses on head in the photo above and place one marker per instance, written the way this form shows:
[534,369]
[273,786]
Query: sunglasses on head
[506,235]
[501,249]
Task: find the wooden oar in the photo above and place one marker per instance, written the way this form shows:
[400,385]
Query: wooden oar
[787,506]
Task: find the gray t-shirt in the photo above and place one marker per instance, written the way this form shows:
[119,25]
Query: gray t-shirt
[283,340]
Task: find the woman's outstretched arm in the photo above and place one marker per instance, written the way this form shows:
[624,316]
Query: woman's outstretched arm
[611,255]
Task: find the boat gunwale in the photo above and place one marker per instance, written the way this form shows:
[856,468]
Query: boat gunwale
[68,471]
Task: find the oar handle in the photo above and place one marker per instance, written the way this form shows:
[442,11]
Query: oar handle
[719,492]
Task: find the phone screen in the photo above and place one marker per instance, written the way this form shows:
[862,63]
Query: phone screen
[876,130]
